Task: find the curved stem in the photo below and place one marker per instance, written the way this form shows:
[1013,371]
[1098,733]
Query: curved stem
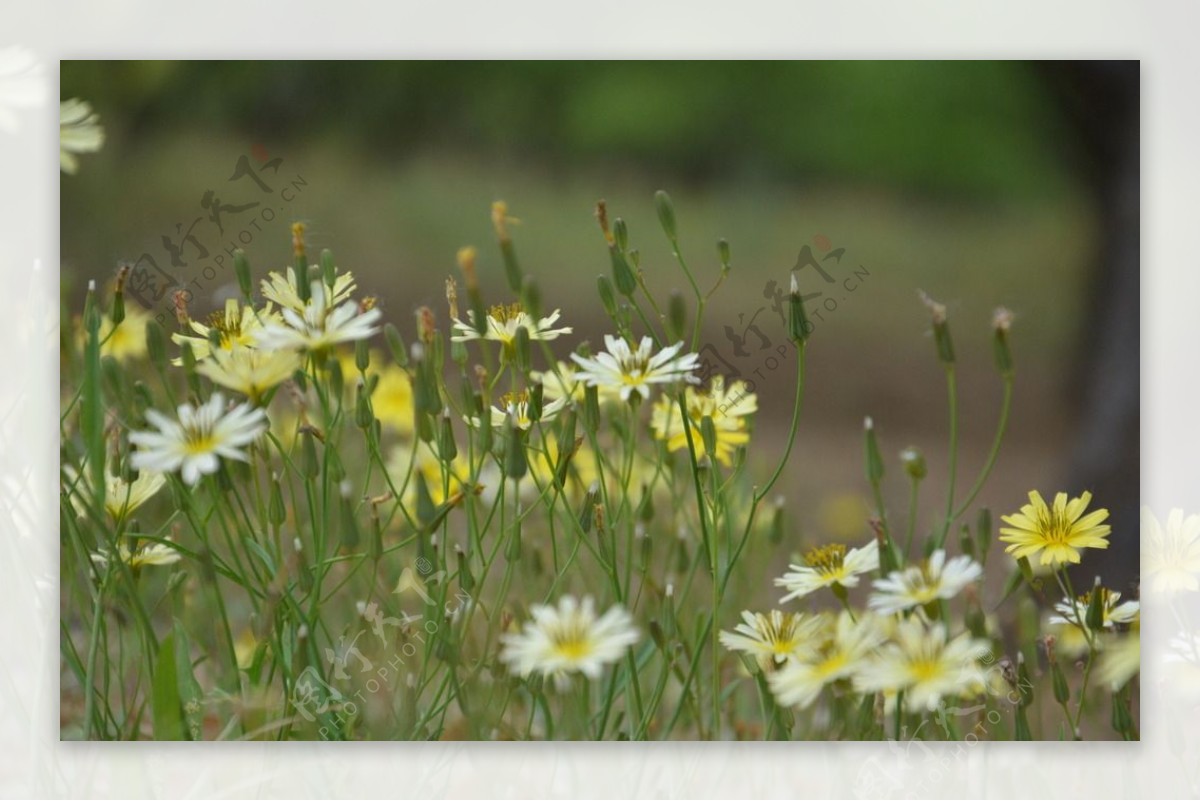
[1001,428]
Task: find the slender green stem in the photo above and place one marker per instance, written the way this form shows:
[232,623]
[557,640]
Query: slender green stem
[993,453]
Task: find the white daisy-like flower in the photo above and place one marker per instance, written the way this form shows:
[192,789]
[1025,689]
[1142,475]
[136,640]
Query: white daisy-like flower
[1170,553]
[1112,610]
[627,371]
[320,325]
[842,648]
[284,291]
[918,585]
[774,638]
[121,497]
[829,566]
[516,406]
[238,325]
[248,370]
[503,322]
[150,554]
[194,443]
[926,666]
[565,382]
[569,638]
[79,131]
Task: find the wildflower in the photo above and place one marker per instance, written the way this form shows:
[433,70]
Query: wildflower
[79,131]
[1171,553]
[127,340]
[193,444]
[283,290]
[516,406]
[569,638]
[503,322]
[627,371]
[1058,532]
[840,652]
[829,566]
[320,324]
[120,496]
[925,665]
[237,325]
[918,585]
[566,382]
[728,409]
[773,639]
[249,371]
[150,554]
[1113,612]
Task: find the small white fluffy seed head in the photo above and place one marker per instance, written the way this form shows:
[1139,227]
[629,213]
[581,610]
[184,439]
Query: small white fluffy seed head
[298,545]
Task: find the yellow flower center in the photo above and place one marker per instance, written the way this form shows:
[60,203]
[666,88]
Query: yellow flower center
[505,312]
[926,669]
[827,559]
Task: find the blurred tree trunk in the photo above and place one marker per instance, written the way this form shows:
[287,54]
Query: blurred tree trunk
[1101,103]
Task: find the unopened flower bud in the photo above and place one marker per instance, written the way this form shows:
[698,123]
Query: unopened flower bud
[666,214]
[914,463]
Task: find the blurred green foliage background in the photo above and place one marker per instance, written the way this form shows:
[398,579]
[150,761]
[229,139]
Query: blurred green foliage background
[958,178]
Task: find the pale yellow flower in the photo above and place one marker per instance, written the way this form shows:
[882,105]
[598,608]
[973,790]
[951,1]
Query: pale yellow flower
[126,341]
[249,371]
[1057,532]
[237,324]
[829,566]
[569,638]
[121,497]
[150,554]
[842,648]
[728,409]
[773,638]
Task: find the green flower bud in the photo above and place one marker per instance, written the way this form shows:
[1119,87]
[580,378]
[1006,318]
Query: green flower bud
[666,214]
[396,344]
[362,355]
[723,254]
[874,459]
[328,269]
[156,344]
[620,234]
[676,316]
[241,268]
[531,296]
[608,296]
[523,349]
[914,463]
[1095,608]
[941,329]
[516,463]
[1001,323]
[799,328]
[447,447]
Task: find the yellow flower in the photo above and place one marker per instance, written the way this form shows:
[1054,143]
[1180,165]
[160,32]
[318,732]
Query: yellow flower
[150,554]
[1057,532]
[120,496]
[237,324]
[773,639]
[249,371]
[127,340]
[829,566]
[503,322]
[435,474]
[728,409]
[841,649]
